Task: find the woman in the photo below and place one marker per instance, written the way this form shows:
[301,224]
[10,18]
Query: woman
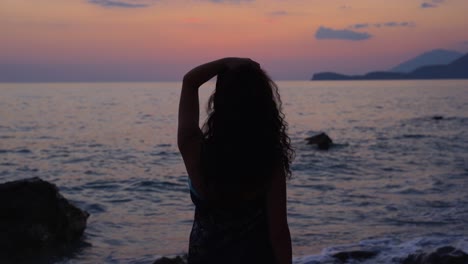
[237,164]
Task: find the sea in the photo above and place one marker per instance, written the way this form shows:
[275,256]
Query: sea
[395,181]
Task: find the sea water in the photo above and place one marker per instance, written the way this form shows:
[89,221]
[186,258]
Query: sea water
[395,181]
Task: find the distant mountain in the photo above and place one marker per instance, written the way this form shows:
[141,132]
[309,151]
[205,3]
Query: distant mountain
[433,57]
[455,70]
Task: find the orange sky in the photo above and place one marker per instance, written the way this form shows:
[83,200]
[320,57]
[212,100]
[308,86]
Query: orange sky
[161,39]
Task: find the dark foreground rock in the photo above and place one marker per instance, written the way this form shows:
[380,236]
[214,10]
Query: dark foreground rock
[176,260]
[322,140]
[35,218]
[357,255]
[443,255]
[437,117]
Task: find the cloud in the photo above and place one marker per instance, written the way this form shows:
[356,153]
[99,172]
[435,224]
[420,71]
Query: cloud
[391,24]
[358,26]
[283,13]
[148,3]
[428,5]
[121,3]
[342,34]
[407,24]
[385,24]
[397,24]
[432,4]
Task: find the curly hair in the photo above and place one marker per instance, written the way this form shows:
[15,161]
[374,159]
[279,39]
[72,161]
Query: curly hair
[245,134]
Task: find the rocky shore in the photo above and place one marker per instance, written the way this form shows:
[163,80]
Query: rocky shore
[442,255]
[37,222]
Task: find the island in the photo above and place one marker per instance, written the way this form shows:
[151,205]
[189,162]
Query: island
[458,69]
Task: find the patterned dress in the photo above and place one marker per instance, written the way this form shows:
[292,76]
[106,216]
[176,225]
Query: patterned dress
[234,235]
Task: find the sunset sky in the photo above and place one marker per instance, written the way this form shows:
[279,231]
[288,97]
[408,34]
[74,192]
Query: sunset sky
[159,40]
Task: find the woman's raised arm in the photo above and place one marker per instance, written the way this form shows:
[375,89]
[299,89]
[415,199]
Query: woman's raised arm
[189,135]
[189,110]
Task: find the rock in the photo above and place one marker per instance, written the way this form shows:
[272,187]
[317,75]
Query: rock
[443,255]
[437,117]
[357,254]
[322,140]
[35,218]
[176,260]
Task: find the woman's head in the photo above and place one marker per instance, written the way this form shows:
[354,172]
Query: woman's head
[242,90]
[245,129]
[245,98]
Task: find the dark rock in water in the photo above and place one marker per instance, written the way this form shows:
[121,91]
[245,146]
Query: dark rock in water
[35,218]
[443,255]
[437,117]
[358,255]
[322,140]
[176,260]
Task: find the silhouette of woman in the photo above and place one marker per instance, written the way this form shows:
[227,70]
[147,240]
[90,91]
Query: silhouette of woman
[238,164]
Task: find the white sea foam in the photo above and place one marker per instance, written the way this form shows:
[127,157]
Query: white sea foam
[389,250]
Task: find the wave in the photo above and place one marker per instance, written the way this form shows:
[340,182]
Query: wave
[394,251]
[423,250]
